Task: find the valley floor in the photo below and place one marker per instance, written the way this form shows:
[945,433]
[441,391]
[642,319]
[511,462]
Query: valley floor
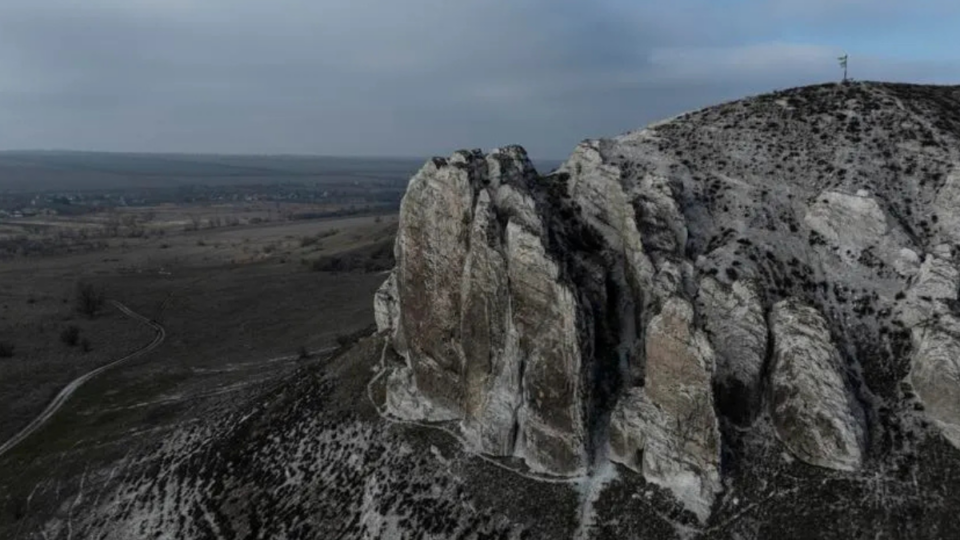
[239,307]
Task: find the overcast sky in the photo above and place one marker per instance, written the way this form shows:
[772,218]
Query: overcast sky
[425,77]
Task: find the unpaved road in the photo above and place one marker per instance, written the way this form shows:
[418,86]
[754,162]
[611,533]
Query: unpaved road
[68,390]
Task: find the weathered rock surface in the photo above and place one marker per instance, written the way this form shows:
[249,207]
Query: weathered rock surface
[487,326]
[670,422]
[814,411]
[734,320]
[930,309]
[650,300]
[386,311]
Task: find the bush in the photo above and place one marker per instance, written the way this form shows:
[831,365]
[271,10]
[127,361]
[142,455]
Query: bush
[90,299]
[6,349]
[70,335]
[85,345]
[303,353]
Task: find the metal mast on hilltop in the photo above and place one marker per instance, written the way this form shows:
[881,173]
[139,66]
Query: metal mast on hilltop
[843,64]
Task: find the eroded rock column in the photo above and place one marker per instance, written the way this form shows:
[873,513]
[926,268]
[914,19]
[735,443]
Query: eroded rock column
[814,411]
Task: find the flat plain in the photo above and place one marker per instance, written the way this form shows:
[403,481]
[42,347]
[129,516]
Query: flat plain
[247,289]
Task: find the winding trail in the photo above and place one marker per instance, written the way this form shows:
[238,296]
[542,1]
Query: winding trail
[69,390]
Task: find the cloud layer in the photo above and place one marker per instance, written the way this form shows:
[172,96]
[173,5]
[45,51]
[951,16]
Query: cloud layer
[420,77]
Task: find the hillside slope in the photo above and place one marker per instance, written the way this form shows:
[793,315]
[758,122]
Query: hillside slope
[741,323]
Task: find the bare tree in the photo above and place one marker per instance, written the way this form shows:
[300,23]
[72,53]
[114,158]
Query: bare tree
[90,299]
[195,222]
[112,226]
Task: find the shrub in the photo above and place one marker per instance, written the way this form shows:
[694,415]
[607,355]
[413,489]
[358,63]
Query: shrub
[6,349]
[85,345]
[70,335]
[90,299]
[303,353]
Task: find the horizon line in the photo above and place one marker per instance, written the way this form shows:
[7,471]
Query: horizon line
[227,154]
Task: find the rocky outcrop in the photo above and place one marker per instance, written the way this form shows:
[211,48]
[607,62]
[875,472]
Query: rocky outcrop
[486,325]
[945,207]
[386,309]
[544,314]
[733,318]
[930,309]
[668,428]
[492,366]
[814,411]
[851,222]
[653,298]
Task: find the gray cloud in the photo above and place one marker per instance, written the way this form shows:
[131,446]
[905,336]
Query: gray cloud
[404,78]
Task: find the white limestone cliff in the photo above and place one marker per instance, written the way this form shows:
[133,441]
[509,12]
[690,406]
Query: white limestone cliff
[667,287]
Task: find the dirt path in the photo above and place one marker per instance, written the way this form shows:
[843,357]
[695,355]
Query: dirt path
[68,390]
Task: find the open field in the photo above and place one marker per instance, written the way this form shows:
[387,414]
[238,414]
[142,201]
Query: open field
[239,304]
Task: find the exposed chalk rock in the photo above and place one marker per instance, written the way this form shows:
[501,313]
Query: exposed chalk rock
[733,318]
[406,401]
[671,421]
[492,361]
[544,314]
[492,335]
[431,249]
[752,246]
[386,310]
[945,206]
[935,372]
[814,411]
[929,310]
[851,222]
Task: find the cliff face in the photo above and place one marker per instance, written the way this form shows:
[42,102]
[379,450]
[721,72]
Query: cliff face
[790,260]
